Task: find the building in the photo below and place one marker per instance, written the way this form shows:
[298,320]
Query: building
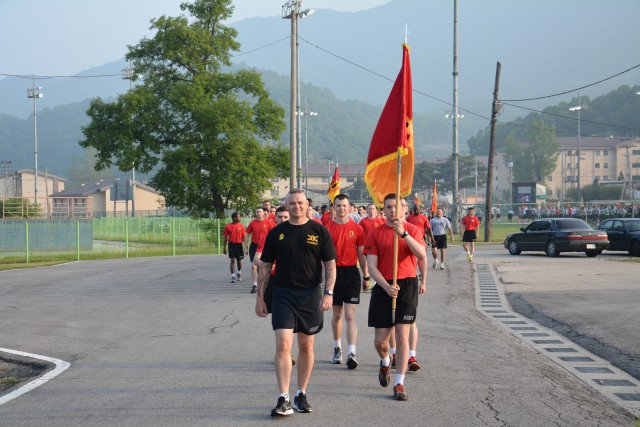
[21,183]
[112,198]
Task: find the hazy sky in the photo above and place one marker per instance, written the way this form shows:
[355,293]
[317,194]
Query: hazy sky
[63,37]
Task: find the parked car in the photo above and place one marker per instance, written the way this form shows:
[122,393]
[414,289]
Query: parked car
[623,234]
[556,235]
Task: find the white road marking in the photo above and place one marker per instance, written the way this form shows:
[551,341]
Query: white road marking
[61,366]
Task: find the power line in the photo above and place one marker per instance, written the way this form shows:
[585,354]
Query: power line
[572,90]
[261,47]
[31,76]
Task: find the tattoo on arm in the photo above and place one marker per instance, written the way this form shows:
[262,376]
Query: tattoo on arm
[264,271]
[330,273]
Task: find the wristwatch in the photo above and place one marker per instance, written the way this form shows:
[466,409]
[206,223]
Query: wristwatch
[405,234]
[328,292]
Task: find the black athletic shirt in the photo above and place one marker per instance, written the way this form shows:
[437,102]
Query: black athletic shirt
[298,251]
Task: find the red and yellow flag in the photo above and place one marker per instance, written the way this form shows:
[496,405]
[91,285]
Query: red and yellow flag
[334,186]
[416,201]
[393,137]
[434,201]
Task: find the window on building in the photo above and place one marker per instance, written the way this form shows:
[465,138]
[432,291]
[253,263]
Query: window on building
[605,165]
[597,165]
[606,152]
[597,152]
[635,165]
[275,193]
[275,180]
[351,179]
[597,177]
[325,179]
[635,152]
[549,178]
[605,178]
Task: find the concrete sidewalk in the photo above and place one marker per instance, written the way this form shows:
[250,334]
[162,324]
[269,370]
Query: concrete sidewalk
[168,341]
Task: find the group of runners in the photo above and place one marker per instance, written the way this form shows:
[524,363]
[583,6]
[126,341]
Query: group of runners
[324,264]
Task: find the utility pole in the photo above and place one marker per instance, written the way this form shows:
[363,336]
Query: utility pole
[290,11]
[495,109]
[456,207]
[7,166]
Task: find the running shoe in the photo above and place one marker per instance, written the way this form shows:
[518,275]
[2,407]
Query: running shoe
[443,267]
[393,360]
[254,289]
[300,403]
[384,376]
[337,356]
[399,393]
[233,279]
[413,364]
[293,360]
[283,408]
[469,257]
[352,362]
[435,264]
[239,276]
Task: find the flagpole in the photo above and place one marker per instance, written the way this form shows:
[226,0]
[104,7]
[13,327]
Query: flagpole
[395,235]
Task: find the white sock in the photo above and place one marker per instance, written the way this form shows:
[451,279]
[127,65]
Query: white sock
[337,343]
[412,353]
[299,392]
[233,276]
[285,395]
[255,283]
[399,379]
[386,361]
[352,349]
[392,350]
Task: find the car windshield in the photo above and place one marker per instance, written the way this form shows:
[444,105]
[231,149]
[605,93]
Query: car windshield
[633,225]
[572,224]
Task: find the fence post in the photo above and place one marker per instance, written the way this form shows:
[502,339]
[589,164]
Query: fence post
[218,220]
[173,230]
[26,233]
[126,236]
[78,240]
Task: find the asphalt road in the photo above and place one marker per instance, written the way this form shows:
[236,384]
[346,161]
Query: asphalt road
[169,342]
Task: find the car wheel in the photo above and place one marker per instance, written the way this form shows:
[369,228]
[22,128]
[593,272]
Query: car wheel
[552,249]
[513,248]
[591,254]
[634,250]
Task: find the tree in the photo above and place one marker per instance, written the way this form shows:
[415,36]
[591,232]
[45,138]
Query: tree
[206,131]
[442,171]
[537,157]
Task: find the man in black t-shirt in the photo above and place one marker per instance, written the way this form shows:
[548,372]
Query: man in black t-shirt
[300,247]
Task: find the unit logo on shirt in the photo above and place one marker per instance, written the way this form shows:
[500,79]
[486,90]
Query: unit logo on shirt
[281,236]
[312,240]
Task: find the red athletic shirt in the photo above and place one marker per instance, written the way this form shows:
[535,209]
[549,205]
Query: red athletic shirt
[380,243]
[420,221]
[470,222]
[272,217]
[259,229]
[326,218]
[368,224]
[235,232]
[346,239]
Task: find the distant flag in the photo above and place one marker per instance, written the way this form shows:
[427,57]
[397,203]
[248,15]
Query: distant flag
[334,186]
[416,201]
[434,201]
[393,137]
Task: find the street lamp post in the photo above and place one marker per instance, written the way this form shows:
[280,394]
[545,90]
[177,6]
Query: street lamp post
[291,10]
[306,113]
[510,166]
[128,73]
[578,108]
[35,93]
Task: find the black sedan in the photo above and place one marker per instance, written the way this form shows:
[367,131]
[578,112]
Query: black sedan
[555,235]
[623,234]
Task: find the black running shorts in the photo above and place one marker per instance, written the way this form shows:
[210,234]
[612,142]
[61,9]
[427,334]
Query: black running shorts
[347,288]
[236,251]
[268,293]
[252,250]
[469,236]
[441,241]
[406,304]
[297,309]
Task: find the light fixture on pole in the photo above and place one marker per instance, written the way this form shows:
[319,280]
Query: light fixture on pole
[128,73]
[291,10]
[578,108]
[306,113]
[35,93]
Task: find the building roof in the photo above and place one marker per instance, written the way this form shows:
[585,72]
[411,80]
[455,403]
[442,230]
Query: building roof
[40,173]
[101,186]
[594,142]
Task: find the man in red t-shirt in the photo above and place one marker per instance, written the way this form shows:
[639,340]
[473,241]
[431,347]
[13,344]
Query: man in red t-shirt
[269,211]
[327,214]
[418,219]
[471,223]
[348,239]
[380,261]
[257,229]
[372,220]
[233,234]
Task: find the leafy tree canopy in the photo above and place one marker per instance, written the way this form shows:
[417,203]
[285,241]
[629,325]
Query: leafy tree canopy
[207,132]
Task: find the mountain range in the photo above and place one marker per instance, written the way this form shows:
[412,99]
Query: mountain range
[349,60]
